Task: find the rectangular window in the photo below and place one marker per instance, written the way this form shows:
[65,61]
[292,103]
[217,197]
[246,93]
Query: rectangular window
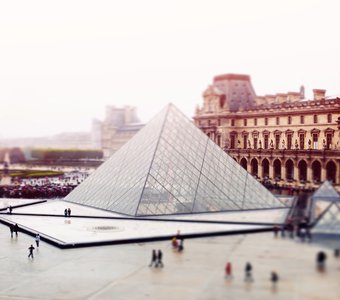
[302,141]
[255,142]
[232,122]
[315,119]
[302,120]
[289,120]
[277,120]
[232,142]
[255,122]
[245,122]
[266,139]
[219,140]
[289,141]
[329,118]
[315,141]
[265,121]
[329,140]
[244,142]
[277,141]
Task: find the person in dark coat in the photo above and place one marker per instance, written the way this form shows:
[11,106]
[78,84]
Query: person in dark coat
[69,212]
[11,228]
[31,248]
[153,258]
[65,212]
[274,278]
[321,260]
[159,259]
[248,272]
[16,229]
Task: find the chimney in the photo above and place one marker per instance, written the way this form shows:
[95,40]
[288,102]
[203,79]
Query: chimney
[319,94]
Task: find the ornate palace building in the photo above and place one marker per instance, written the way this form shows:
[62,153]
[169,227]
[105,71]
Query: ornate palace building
[283,138]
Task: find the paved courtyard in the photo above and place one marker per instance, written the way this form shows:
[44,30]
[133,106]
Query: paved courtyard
[122,272]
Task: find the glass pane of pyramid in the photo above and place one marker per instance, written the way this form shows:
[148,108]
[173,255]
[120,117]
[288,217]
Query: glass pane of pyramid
[172,167]
[118,183]
[326,192]
[329,222]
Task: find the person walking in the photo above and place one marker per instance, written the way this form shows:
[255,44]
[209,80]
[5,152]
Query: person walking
[153,258]
[228,270]
[181,245]
[321,261]
[274,278]
[248,272]
[65,212]
[159,259]
[16,229]
[31,248]
[69,212]
[37,239]
[11,228]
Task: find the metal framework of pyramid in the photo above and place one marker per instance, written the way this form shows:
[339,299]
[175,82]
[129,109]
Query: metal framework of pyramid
[171,167]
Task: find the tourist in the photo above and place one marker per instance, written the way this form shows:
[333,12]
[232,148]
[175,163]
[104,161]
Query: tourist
[181,245]
[31,248]
[65,212]
[69,212]
[321,261]
[275,230]
[248,272]
[228,270]
[16,229]
[159,259]
[274,278]
[174,243]
[37,239]
[10,208]
[153,258]
[11,228]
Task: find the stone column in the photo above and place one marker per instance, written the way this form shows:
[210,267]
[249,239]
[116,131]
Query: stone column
[271,170]
[260,170]
[309,173]
[323,173]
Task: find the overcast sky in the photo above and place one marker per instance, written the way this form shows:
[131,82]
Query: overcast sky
[62,62]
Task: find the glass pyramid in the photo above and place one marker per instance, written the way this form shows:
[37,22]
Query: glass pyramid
[326,192]
[322,199]
[329,222]
[171,167]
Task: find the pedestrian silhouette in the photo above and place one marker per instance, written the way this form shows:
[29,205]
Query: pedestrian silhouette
[31,248]
[11,228]
[159,259]
[153,259]
[174,243]
[321,261]
[65,212]
[69,212]
[37,239]
[248,272]
[16,229]
[228,270]
[274,278]
[337,252]
[10,208]
[181,245]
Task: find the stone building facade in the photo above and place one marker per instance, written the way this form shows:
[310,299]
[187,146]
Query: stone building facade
[283,138]
[119,125]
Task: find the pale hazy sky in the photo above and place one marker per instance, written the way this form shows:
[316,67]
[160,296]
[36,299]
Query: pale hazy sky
[62,62]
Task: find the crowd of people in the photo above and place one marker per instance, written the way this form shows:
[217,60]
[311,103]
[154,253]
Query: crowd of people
[45,188]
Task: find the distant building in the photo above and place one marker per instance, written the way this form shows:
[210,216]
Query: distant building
[78,140]
[119,126]
[283,138]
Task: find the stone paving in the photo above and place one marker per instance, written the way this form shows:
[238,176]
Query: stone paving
[122,272]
